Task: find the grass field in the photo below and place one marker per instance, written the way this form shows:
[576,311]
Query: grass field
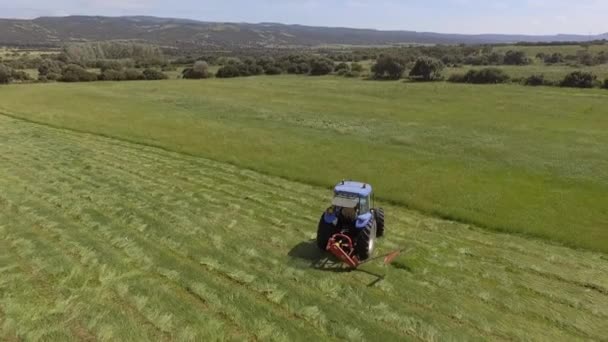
[532,51]
[551,72]
[102,239]
[509,158]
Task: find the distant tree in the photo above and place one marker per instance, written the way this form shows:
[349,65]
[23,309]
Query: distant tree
[585,58]
[554,58]
[601,58]
[199,70]
[579,79]
[273,70]
[356,67]
[535,80]
[132,74]
[516,58]
[76,73]
[427,69]
[153,75]
[112,75]
[496,58]
[228,71]
[6,74]
[482,76]
[321,66]
[388,68]
[20,75]
[50,69]
[342,67]
[605,85]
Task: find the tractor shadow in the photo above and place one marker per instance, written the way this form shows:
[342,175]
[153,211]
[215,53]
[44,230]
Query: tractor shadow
[323,261]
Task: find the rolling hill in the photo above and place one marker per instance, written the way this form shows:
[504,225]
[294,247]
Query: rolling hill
[180,32]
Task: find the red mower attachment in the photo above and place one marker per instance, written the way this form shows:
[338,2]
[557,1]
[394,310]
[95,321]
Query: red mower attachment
[342,247]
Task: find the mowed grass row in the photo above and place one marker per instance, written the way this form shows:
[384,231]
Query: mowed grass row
[108,240]
[509,158]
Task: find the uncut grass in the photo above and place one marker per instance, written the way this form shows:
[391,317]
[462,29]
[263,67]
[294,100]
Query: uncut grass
[152,177]
[505,157]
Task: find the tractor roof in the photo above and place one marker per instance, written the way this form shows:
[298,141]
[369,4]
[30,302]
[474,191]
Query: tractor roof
[357,188]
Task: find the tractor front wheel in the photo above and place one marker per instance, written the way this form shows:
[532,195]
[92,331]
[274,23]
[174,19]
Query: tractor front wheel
[366,241]
[379,215]
[324,233]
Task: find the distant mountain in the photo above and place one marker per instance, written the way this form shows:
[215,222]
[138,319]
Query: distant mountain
[179,32]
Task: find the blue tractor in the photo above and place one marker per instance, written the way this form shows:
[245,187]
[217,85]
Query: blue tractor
[349,228]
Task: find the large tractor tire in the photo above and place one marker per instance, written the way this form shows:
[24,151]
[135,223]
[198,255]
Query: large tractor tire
[366,241]
[324,233]
[379,216]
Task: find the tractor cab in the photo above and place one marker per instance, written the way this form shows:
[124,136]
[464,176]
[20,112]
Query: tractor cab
[349,227]
[351,205]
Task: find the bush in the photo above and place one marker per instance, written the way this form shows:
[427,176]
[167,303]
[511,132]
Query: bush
[20,75]
[536,80]
[153,75]
[427,69]
[76,73]
[388,68]
[112,75]
[482,76]
[516,58]
[342,67]
[554,58]
[356,67]
[321,66]
[228,71]
[457,78]
[579,79]
[133,75]
[6,74]
[605,85]
[273,70]
[51,69]
[199,70]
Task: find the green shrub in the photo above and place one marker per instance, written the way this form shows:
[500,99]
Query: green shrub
[321,66]
[457,78]
[342,67]
[605,85]
[76,73]
[134,75]
[112,75]
[273,70]
[579,79]
[516,58]
[356,67]
[153,75]
[536,80]
[388,68]
[228,71]
[481,76]
[6,74]
[20,75]
[199,70]
[426,69]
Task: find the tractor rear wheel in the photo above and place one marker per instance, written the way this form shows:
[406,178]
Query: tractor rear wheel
[379,215]
[324,233]
[366,241]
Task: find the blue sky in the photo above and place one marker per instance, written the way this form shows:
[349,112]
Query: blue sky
[451,16]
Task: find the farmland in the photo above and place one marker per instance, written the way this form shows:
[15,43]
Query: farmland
[105,239]
[506,158]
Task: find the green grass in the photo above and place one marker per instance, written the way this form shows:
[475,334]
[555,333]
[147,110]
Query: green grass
[551,72]
[532,51]
[101,239]
[508,158]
